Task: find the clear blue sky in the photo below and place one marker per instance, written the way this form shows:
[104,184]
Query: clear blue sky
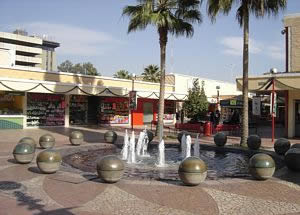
[93,30]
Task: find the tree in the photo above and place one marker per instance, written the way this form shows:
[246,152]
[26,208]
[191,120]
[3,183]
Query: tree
[196,105]
[169,17]
[85,68]
[151,73]
[123,74]
[66,66]
[245,7]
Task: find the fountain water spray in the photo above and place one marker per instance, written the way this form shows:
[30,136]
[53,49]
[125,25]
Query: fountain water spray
[197,147]
[140,143]
[124,151]
[188,146]
[183,146]
[145,144]
[131,157]
[161,154]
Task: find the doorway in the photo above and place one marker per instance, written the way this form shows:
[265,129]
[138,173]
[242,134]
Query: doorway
[297,118]
[148,112]
[93,105]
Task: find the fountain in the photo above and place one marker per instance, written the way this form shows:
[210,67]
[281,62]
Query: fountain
[131,157]
[197,147]
[140,143]
[124,151]
[188,146]
[183,146]
[161,154]
[145,144]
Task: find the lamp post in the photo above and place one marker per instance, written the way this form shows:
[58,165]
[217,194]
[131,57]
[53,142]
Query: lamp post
[132,108]
[218,97]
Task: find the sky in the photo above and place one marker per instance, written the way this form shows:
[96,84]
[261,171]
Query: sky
[95,31]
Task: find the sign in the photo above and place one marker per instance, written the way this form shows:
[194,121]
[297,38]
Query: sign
[256,106]
[14,93]
[233,102]
[132,100]
[274,111]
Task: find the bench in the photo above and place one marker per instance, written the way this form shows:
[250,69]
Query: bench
[192,127]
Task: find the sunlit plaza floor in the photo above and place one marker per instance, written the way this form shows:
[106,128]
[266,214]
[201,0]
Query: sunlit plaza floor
[25,190]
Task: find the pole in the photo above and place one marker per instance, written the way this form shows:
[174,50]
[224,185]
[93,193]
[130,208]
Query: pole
[273,117]
[132,108]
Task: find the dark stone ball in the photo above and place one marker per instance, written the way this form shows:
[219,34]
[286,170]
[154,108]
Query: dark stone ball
[281,146]
[47,141]
[110,137]
[220,139]
[76,138]
[295,146]
[48,161]
[261,166]
[150,136]
[254,142]
[24,153]
[292,159]
[192,171]
[28,140]
[110,168]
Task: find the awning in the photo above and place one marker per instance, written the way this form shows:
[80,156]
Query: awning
[282,81]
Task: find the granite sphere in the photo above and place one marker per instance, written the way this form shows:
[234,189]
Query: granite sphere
[261,166]
[295,146]
[220,139]
[76,138]
[49,161]
[110,168]
[110,137]
[192,171]
[281,146]
[292,159]
[254,142]
[24,153]
[28,140]
[47,141]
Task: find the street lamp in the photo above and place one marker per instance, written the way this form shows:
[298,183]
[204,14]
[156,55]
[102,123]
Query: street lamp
[218,96]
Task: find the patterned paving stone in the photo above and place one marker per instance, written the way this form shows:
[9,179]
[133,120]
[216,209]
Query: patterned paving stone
[190,199]
[16,173]
[70,194]
[230,203]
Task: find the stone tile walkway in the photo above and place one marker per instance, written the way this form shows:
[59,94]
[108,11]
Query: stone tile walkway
[24,190]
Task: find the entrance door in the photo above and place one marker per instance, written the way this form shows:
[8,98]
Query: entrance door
[93,105]
[297,118]
[148,112]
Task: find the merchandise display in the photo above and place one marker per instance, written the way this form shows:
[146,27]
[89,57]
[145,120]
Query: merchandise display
[78,110]
[45,109]
[114,111]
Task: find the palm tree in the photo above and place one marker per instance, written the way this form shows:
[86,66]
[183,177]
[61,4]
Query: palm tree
[123,74]
[173,17]
[245,7]
[151,73]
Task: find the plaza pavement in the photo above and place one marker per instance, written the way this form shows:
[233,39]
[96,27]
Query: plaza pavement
[24,190]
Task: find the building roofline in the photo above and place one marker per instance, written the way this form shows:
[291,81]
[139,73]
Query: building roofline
[205,79]
[51,44]
[293,15]
[283,74]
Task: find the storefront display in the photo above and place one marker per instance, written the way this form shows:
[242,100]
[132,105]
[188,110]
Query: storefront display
[114,111]
[11,103]
[169,114]
[78,110]
[45,109]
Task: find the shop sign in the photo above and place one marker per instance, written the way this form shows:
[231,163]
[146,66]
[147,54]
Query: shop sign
[14,93]
[233,102]
[132,100]
[256,106]
[7,98]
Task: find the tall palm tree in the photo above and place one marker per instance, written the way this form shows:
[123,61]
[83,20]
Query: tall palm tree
[123,74]
[245,8]
[151,73]
[169,17]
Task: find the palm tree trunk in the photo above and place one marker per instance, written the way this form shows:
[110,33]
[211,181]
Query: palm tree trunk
[245,128]
[163,38]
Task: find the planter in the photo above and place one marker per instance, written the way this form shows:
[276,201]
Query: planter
[261,166]
[24,153]
[110,169]
[47,141]
[192,171]
[292,159]
[76,138]
[281,146]
[220,139]
[28,140]
[48,161]
[110,137]
[254,142]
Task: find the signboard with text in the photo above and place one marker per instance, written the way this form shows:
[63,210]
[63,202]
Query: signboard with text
[256,106]
[274,111]
[132,100]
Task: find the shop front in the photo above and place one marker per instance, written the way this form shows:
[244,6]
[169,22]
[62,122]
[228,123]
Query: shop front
[11,110]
